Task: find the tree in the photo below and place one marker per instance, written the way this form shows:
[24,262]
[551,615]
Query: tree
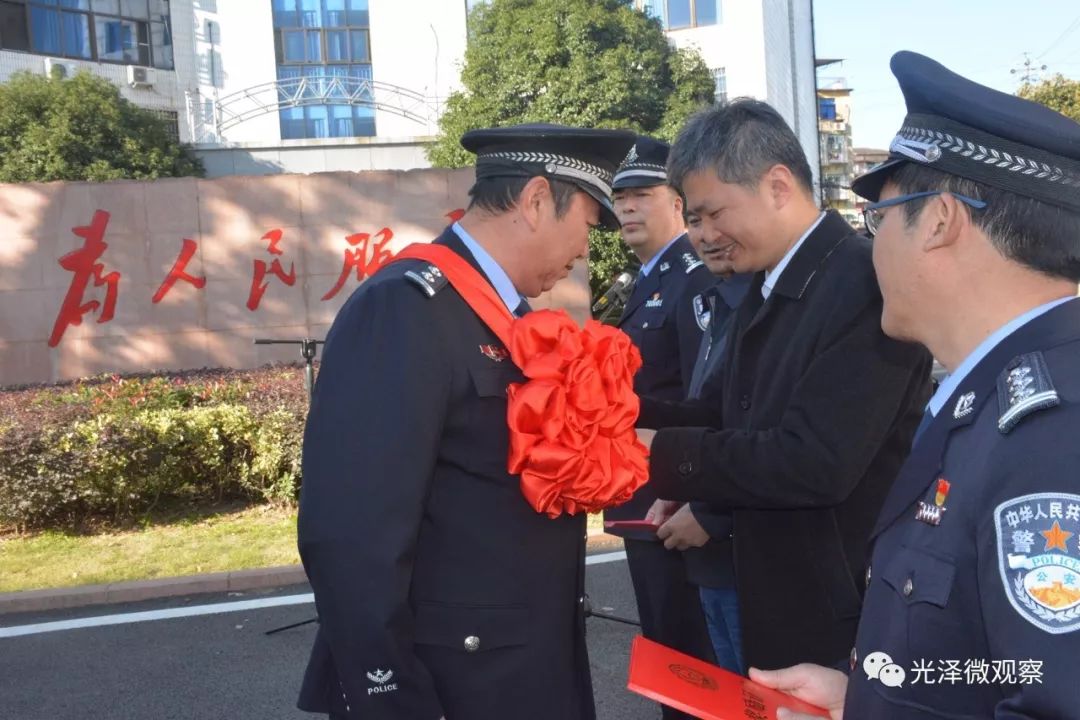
[591,63]
[82,129]
[1058,93]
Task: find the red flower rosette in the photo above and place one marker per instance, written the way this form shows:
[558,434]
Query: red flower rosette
[572,435]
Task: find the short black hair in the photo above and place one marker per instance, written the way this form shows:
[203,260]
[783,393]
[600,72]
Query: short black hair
[500,194]
[740,140]
[1038,235]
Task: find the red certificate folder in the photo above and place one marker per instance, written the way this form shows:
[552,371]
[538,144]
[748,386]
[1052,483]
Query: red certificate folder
[703,690]
[630,525]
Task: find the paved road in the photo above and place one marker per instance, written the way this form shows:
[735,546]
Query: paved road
[222,667]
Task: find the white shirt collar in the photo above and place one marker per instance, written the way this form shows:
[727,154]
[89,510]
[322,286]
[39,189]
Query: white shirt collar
[771,278]
[949,384]
[498,277]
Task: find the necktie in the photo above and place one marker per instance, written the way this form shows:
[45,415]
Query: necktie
[927,418]
[522,308]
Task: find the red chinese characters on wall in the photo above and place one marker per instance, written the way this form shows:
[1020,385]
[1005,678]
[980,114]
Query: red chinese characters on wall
[363,256]
[187,251]
[357,258]
[258,286]
[83,262]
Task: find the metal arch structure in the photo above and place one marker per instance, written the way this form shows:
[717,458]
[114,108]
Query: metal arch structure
[238,107]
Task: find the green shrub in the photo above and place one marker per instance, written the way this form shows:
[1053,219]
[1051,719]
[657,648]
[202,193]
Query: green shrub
[126,448]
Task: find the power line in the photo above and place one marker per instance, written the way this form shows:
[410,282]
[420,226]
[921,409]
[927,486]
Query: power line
[1072,26]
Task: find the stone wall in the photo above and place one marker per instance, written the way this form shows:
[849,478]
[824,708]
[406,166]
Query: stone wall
[176,284]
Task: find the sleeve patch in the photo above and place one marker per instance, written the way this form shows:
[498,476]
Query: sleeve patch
[1038,548]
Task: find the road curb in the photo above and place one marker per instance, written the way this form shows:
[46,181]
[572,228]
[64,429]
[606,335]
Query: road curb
[235,581]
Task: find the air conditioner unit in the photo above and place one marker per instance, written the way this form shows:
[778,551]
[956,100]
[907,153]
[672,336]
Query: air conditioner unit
[140,77]
[59,68]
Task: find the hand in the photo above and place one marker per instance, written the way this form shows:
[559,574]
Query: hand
[646,437]
[661,511]
[682,531]
[814,684]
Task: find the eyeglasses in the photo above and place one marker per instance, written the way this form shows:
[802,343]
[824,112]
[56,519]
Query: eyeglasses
[874,213]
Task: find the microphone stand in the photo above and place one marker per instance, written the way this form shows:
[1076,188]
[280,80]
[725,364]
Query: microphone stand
[308,349]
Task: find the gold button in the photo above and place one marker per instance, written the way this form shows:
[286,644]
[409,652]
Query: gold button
[472,643]
[909,586]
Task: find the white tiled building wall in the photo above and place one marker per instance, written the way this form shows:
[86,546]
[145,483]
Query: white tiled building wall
[418,45]
[754,43]
[223,47]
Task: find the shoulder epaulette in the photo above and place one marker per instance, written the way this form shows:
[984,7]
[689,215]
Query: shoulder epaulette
[691,261]
[428,278]
[1024,387]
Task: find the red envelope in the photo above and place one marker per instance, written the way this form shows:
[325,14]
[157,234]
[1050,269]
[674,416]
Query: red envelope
[702,689]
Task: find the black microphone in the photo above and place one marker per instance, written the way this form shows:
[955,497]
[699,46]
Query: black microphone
[620,289]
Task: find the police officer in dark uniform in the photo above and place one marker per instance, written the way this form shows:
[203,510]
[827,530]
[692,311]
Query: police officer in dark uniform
[440,591]
[972,606]
[660,318]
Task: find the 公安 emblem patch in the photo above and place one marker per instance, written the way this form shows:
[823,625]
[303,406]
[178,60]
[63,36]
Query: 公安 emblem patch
[1038,545]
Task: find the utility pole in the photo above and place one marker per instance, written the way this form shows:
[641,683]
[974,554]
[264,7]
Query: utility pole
[1029,72]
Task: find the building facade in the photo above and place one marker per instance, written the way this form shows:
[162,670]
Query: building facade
[837,149]
[266,86]
[755,48]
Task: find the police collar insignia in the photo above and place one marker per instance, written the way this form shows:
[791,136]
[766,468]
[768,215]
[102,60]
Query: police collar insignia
[964,405]
[1038,547]
[665,266]
[1023,388]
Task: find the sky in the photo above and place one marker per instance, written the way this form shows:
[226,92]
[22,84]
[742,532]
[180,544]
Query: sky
[980,39]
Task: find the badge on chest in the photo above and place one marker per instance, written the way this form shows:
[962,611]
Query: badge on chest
[931,513]
[655,301]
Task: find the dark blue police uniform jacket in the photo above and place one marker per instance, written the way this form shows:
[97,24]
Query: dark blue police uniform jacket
[661,320]
[972,608]
[440,590]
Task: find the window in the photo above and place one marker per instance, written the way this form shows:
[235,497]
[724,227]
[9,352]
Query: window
[172,122]
[319,40]
[827,108]
[720,80]
[680,14]
[120,31]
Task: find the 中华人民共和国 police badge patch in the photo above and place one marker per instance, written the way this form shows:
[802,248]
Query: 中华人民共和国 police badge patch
[1038,546]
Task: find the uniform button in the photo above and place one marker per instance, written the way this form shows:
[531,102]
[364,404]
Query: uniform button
[908,587]
[867,576]
[472,643]
[744,403]
[853,659]
[686,467]
[644,325]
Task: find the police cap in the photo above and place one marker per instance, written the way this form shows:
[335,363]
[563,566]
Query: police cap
[645,165]
[580,156]
[965,129]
